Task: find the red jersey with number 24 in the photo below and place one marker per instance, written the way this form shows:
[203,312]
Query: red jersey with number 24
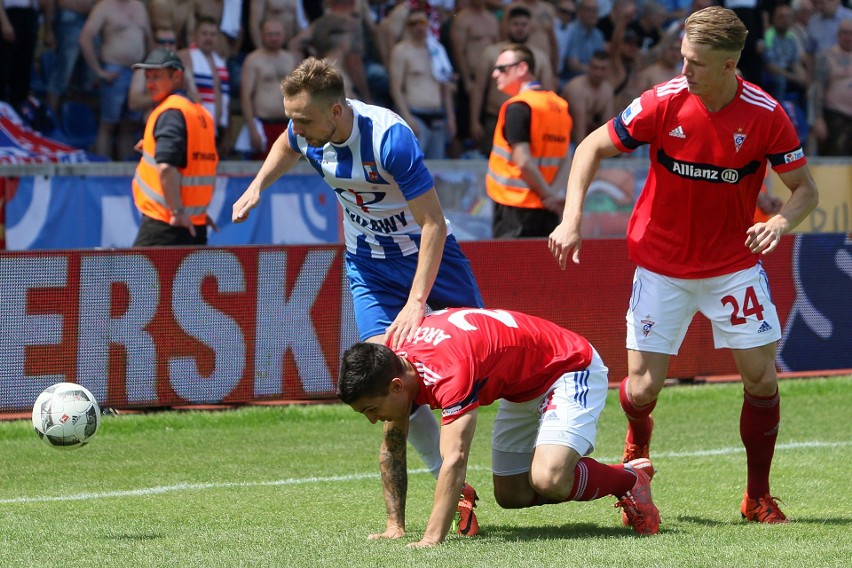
[691,218]
[470,357]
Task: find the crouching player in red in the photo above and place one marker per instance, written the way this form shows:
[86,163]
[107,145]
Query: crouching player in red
[552,385]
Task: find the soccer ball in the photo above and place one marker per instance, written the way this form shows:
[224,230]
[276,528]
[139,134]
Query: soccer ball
[66,416]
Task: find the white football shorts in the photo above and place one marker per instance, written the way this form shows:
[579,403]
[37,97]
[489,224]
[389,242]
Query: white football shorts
[738,305]
[566,415]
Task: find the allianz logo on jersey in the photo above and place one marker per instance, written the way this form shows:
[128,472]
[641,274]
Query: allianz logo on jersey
[704,172]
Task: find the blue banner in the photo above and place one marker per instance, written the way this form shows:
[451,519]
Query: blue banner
[817,330]
[68,212]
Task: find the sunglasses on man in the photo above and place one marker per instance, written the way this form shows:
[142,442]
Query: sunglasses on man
[506,67]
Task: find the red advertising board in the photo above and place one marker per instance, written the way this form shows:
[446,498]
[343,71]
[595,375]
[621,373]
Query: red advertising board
[164,327]
[160,327]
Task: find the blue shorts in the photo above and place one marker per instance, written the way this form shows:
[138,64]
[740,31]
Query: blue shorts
[380,287]
[113,96]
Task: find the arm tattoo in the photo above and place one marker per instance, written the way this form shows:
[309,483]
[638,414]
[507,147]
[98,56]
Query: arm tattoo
[392,461]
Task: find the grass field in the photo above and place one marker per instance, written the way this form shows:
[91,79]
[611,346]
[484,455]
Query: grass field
[298,486]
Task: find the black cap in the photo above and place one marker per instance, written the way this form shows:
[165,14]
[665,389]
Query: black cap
[161,58]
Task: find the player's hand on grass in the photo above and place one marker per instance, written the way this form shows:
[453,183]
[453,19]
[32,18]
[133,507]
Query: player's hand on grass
[405,324]
[247,201]
[565,242]
[423,544]
[395,532]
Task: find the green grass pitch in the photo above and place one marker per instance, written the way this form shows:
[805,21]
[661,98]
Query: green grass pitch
[298,486]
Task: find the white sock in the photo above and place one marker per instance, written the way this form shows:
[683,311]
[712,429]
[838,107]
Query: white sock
[425,436]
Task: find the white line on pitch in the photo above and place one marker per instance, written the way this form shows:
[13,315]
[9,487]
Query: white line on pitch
[359,476]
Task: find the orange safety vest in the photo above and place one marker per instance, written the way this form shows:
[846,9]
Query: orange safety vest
[199,175]
[550,136]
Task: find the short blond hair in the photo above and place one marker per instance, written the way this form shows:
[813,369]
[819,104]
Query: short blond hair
[718,28]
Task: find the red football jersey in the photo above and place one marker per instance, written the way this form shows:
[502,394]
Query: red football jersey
[470,357]
[691,218]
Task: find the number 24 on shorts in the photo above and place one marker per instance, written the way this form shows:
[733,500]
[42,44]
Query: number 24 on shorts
[751,307]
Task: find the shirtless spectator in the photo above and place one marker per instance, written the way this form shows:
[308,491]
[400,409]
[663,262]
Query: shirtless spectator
[542,32]
[289,12]
[207,77]
[343,20]
[420,98]
[625,56]
[486,99]
[832,105]
[260,97]
[472,30]
[177,15]
[590,97]
[69,20]
[138,97]
[666,68]
[227,45]
[125,38]
[393,26]
[334,39]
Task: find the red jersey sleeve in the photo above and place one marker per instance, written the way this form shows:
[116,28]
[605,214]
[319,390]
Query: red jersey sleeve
[448,386]
[455,395]
[784,151]
[636,124]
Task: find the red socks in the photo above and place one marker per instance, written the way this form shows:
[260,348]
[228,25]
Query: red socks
[639,425]
[593,480]
[759,422]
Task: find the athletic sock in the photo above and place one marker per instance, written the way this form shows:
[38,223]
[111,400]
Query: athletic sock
[759,421]
[639,425]
[425,437]
[593,480]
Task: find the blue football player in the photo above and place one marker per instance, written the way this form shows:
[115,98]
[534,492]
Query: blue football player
[400,252]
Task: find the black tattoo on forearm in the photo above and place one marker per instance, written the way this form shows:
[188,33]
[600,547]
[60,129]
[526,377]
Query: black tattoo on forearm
[392,461]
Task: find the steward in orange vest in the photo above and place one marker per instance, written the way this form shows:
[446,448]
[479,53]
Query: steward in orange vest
[531,145]
[173,183]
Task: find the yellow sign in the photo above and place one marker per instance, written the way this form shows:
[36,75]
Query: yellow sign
[834,212]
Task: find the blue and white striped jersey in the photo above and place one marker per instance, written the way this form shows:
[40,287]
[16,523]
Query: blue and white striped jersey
[374,174]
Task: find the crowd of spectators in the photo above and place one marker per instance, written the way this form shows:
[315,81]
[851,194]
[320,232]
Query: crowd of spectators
[430,60]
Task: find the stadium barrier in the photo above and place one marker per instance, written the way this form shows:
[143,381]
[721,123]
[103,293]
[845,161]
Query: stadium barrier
[219,325]
[62,206]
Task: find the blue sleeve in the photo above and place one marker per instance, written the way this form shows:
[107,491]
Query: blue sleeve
[291,137]
[401,156]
